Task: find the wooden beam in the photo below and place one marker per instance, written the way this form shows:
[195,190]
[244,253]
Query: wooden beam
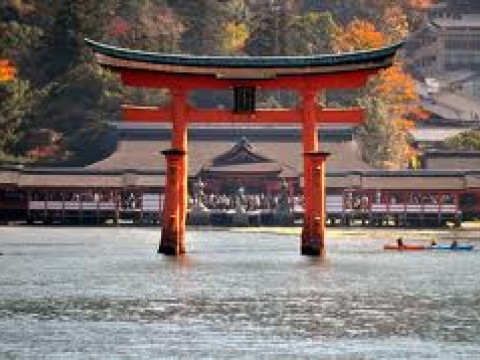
[340,116]
[270,116]
[152,79]
[147,114]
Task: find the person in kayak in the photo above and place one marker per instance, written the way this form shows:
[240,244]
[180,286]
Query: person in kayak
[433,243]
[454,244]
[400,242]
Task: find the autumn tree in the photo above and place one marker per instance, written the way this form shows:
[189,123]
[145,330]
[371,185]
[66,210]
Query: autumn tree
[65,93]
[147,26]
[371,10]
[235,38]
[392,91]
[385,142]
[238,26]
[420,4]
[358,35]
[7,70]
[395,25]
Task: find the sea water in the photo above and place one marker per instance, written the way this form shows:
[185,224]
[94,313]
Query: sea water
[104,293]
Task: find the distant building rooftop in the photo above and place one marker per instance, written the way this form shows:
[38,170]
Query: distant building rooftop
[449,105]
[430,134]
[140,148]
[465,21]
[451,160]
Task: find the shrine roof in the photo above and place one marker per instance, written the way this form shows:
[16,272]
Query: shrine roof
[145,154]
[122,57]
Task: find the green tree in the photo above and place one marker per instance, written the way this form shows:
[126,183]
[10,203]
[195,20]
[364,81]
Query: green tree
[269,27]
[16,102]
[310,33]
[468,140]
[79,106]
[63,47]
[204,21]
[384,141]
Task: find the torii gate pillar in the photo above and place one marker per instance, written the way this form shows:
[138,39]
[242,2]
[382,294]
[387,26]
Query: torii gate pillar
[172,241]
[313,232]
[176,191]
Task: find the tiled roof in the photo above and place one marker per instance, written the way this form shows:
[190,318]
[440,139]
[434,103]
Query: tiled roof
[69,181]
[8,177]
[472,181]
[259,168]
[452,160]
[80,178]
[257,62]
[428,180]
[449,105]
[136,154]
[434,134]
[241,153]
[472,21]
[396,182]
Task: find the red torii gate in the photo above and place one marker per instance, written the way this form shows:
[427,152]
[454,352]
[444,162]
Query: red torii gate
[181,74]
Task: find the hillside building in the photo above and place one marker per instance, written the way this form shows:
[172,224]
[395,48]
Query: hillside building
[449,40]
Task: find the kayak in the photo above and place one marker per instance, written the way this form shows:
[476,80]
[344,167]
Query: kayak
[463,247]
[405,247]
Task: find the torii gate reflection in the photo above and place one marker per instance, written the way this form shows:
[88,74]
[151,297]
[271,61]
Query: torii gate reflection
[182,74]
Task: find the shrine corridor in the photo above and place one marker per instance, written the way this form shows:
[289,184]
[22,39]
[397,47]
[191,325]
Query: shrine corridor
[105,293]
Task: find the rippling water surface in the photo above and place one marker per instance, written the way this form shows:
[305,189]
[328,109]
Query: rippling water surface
[73,293]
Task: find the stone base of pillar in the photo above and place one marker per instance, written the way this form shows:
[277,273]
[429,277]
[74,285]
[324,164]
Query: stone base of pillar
[313,250]
[171,244]
[172,241]
[313,243]
[312,246]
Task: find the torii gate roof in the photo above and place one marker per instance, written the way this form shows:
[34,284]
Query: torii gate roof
[257,66]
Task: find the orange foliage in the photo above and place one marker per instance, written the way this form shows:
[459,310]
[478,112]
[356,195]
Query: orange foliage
[406,124]
[358,35]
[420,114]
[235,37]
[7,70]
[395,86]
[395,23]
[420,4]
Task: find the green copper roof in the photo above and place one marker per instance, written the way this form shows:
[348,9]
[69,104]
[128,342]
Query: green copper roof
[358,57]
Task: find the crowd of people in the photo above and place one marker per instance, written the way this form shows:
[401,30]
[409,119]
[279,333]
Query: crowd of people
[128,200]
[250,202]
[362,201]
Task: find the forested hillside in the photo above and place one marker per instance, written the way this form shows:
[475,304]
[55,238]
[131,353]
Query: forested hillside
[55,108]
